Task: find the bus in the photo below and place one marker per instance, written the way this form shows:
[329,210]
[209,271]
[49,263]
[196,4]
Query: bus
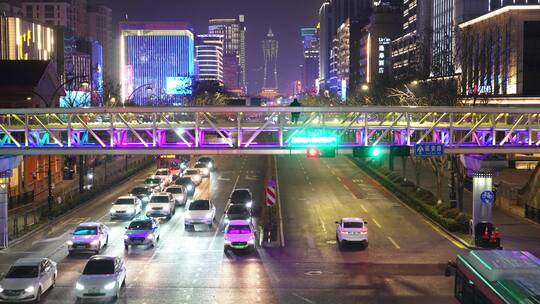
[497,276]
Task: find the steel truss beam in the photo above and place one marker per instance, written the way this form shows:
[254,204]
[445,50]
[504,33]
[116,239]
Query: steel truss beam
[40,131]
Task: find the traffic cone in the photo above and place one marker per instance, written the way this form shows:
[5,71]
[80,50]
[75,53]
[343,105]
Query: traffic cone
[497,234]
[486,235]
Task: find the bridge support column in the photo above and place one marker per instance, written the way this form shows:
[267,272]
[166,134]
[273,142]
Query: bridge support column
[7,164]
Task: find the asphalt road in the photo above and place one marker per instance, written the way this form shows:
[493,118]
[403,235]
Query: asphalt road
[404,262]
[185,267]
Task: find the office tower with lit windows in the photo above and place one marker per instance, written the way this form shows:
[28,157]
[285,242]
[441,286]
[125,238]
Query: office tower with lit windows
[234,52]
[21,39]
[209,58]
[270,54]
[156,62]
[310,68]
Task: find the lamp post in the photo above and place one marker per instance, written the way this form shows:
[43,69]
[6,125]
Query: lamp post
[147,86]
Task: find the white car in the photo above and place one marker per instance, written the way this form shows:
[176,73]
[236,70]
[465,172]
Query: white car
[88,237]
[194,174]
[239,234]
[126,207]
[28,279]
[179,193]
[199,212]
[203,169]
[164,174]
[102,278]
[161,204]
[352,230]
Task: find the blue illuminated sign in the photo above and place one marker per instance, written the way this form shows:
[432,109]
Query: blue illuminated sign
[179,86]
[487,197]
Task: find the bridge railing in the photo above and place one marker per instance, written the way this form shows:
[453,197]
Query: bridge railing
[236,128]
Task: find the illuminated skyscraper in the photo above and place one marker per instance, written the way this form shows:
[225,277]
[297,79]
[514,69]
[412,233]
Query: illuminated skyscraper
[234,51]
[209,58]
[310,68]
[158,56]
[270,53]
[21,39]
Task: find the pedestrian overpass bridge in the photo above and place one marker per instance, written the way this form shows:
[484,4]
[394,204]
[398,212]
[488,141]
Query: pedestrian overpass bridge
[264,130]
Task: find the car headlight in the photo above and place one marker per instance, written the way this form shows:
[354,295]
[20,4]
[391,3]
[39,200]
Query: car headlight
[150,236]
[226,221]
[94,242]
[145,199]
[148,208]
[126,237]
[70,243]
[130,211]
[249,204]
[29,289]
[1,289]
[209,165]
[251,241]
[196,177]
[109,286]
[79,286]
[187,216]
[190,187]
[166,207]
[208,215]
[227,242]
[112,211]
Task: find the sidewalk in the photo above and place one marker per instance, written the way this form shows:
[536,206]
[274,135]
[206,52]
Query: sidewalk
[21,218]
[516,233]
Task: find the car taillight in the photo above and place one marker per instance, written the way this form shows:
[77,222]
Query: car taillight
[364,232]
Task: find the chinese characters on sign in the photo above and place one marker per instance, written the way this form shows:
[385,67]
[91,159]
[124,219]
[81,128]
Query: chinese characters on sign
[429,150]
[383,46]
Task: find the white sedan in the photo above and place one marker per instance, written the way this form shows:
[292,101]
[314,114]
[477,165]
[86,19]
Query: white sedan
[179,193]
[126,207]
[352,230]
[199,212]
[28,279]
[102,278]
[194,174]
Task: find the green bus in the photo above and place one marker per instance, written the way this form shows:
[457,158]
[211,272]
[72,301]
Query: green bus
[497,276]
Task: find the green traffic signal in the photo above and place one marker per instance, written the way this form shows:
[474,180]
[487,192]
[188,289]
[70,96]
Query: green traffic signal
[375,152]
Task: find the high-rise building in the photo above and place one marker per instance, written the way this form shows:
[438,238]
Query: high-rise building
[70,14]
[310,68]
[209,58]
[270,54]
[21,39]
[156,61]
[494,5]
[332,14]
[411,51]
[500,54]
[100,29]
[348,56]
[234,55]
[375,46]
[446,15]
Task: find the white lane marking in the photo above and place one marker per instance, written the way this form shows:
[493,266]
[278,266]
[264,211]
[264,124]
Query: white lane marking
[394,243]
[363,208]
[322,225]
[302,298]
[376,223]
[337,177]
[218,228]
[282,236]
[223,179]
[50,239]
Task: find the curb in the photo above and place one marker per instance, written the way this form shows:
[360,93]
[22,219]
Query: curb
[54,221]
[439,226]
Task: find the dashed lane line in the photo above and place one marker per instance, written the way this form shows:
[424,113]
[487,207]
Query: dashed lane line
[376,223]
[394,243]
[364,208]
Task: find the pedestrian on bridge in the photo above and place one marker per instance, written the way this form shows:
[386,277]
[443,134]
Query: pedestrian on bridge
[295,115]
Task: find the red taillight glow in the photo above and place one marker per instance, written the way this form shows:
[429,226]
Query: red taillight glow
[313,153]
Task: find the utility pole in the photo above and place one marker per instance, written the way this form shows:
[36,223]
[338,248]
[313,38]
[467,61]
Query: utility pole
[81,173]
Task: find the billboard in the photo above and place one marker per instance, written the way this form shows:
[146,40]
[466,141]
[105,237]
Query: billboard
[179,86]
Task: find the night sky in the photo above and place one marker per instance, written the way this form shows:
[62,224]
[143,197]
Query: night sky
[286,17]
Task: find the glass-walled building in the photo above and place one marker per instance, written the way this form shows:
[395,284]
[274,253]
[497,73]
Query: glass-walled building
[157,62]
[21,39]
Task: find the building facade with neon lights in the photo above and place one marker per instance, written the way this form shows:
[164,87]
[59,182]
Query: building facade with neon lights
[209,58]
[157,62]
[21,39]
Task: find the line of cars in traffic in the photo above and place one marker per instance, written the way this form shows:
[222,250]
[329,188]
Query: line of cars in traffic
[104,276]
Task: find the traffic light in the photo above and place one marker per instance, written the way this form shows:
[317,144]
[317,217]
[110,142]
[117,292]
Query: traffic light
[400,150]
[326,152]
[364,152]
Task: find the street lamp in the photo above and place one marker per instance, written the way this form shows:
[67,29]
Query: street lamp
[365,87]
[147,86]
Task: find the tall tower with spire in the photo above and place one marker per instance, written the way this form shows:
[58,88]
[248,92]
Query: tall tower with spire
[270,52]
